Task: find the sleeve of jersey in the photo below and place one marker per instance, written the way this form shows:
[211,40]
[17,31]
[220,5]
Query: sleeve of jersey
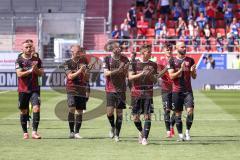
[171,64]
[66,68]
[18,64]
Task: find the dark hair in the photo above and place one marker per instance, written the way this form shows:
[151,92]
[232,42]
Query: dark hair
[27,41]
[167,45]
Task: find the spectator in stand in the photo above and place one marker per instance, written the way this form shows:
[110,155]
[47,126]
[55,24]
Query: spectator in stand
[116,33]
[185,8]
[220,42]
[191,28]
[201,21]
[211,10]
[142,27]
[190,13]
[158,29]
[207,34]
[164,7]
[148,12]
[234,28]
[236,62]
[210,62]
[202,7]
[195,8]
[227,5]
[228,16]
[125,31]
[176,11]
[184,38]
[220,5]
[164,34]
[132,20]
[230,42]
[196,38]
[181,26]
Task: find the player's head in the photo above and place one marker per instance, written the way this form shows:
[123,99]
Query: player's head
[31,42]
[145,51]
[75,50]
[167,48]
[181,48]
[27,48]
[113,47]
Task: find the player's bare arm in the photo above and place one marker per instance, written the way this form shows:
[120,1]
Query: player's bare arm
[21,73]
[176,74]
[37,71]
[193,71]
[74,75]
[132,76]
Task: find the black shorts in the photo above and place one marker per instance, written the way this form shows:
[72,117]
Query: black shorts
[180,99]
[167,100]
[132,23]
[25,98]
[117,100]
[76,101]
[165,9]
[142,105]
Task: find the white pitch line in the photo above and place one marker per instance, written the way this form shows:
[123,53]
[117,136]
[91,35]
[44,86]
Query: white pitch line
[2,92]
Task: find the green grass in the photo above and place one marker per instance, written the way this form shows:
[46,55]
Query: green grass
[215,132]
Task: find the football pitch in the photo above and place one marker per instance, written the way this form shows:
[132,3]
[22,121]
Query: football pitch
[215,132]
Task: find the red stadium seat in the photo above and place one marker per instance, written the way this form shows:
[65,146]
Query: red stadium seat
[150,32]
[171,32]
[170,24]
[220,24]
[238,15]
[221,30]
[219,16]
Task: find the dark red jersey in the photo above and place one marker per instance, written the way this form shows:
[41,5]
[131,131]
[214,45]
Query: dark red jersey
[116,82]
[142,87]
[28,83]
[183,82]
[166,82]
[79,84]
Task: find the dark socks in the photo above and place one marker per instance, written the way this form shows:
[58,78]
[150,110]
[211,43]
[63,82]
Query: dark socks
[167,119]
[118,125]
[71,120]
[178,120]
[189,121]
[111,121]
[36,120]
[138,125]
[147,126]
[172,121]
[23,121]
[78,123]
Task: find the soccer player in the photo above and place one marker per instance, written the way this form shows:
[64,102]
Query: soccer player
[142,74]
[35,54]
[28,68]
[76,88]
[166,90]
[115,71]
[182,69]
